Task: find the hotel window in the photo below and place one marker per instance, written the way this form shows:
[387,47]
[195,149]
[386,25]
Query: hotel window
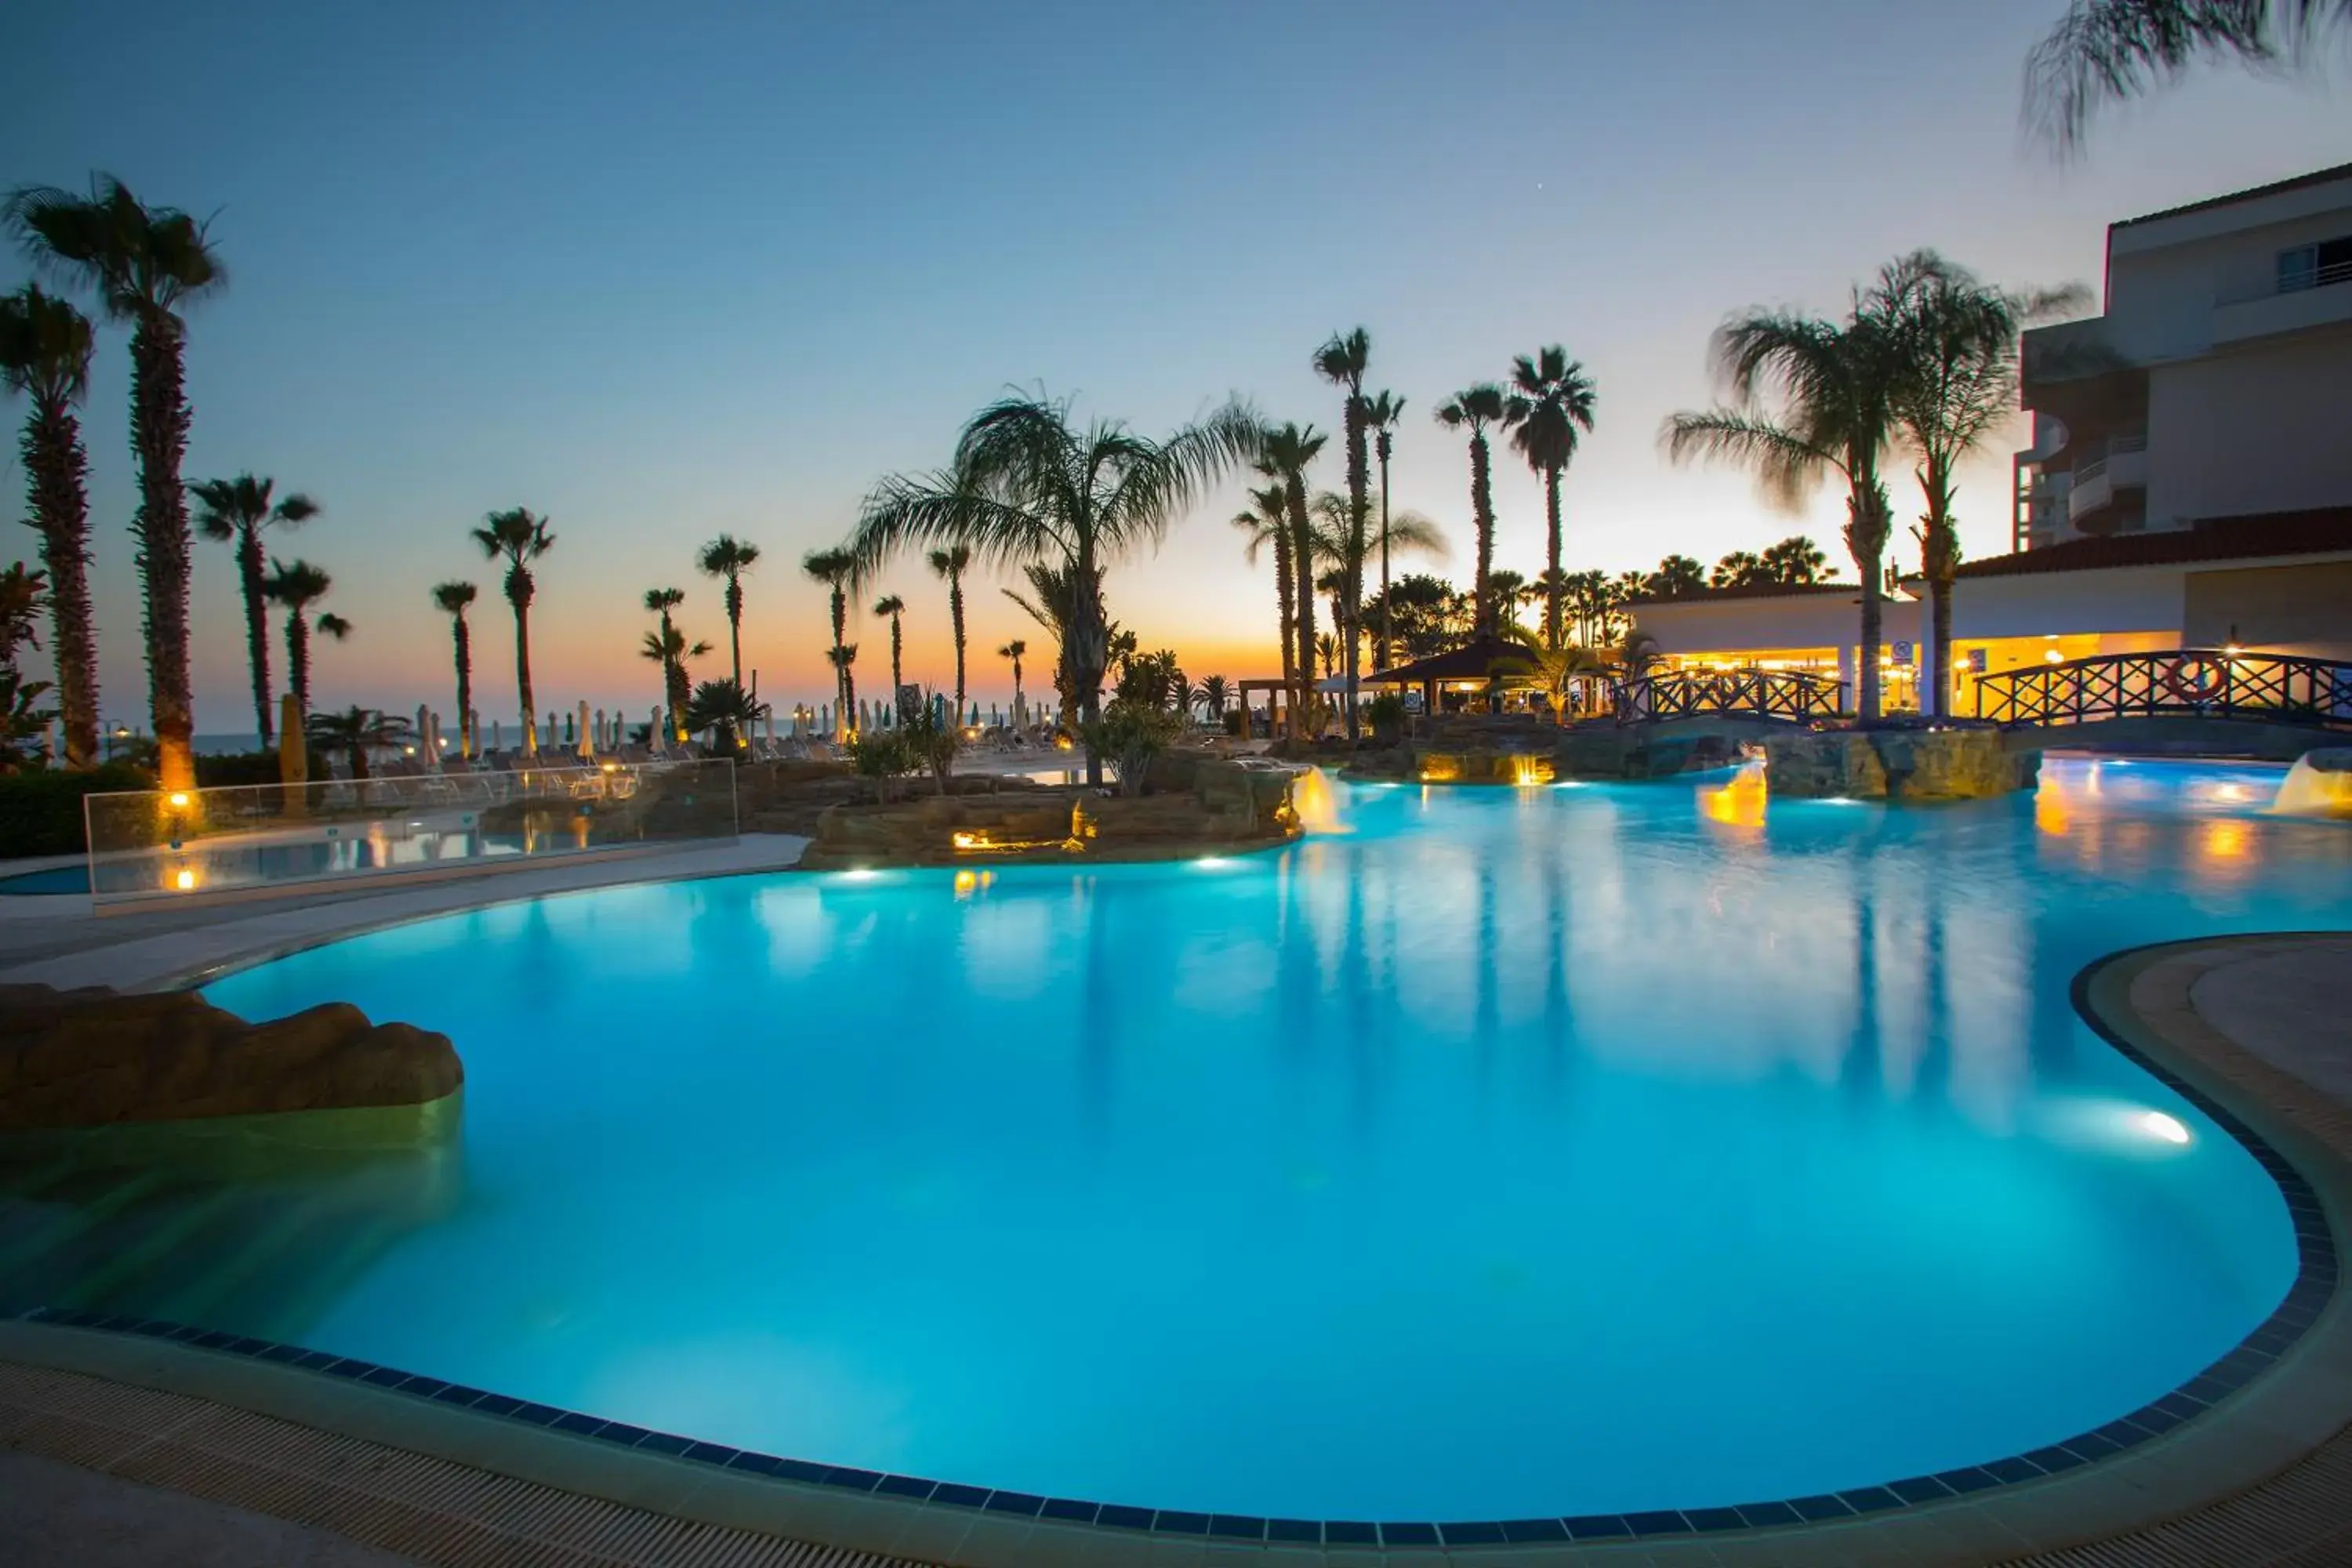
[2316,266]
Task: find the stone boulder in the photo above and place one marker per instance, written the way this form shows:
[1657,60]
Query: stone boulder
[1898,764]
[94,1057]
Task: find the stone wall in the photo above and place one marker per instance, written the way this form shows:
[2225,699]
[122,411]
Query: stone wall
[1909,765]
[90,1059]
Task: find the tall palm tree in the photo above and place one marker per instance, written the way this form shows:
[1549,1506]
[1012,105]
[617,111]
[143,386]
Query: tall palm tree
[1027,486]
[1551,400]
[297,585]
[237,511]
[45,349]
[1013,651]
[519,537]
[895,607]
[838,570]
[728,558]
[1959,343]
[1383,411]
[1331,525]
[667,649]
[1284,454]
[1811,398]
[452,599]
[1342,361]
[1474,408]
[145,264]
[949,562]
[1268,521]
[2104,51]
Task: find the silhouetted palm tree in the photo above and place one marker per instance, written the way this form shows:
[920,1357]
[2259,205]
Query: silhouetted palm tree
[1267,523]
[2106,50]
[1473,409]
[1551,400]
[667,649]
[728,558]
[237,511]
[1342,361]
[727,711]
[1677,576]
[297,585]
[1811,398]
[145,264]
[837,570]
[1382,410]
[1049,602]
[1013,651]
[950,563]
[1284,454]
[354,732]
[452,599]
[45,349]
[1028,486]
[519,537]
[895,607]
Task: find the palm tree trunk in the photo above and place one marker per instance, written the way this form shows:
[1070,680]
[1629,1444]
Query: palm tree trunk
[249,563]
[1303,563]
[955,619]
[1939,621]
[1553,581]
[522,676]
[158,433]
[1481,510]
[1867,540]
[1351,570]
[297,658]
[56,469]
[1088,654]
[1283,591]
[1382,658]
[735,629]
[465,653]
[897,677]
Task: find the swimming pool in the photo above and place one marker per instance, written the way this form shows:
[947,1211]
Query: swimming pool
[1574,1150]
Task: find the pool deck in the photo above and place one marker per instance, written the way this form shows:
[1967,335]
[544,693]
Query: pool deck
[2259,1473]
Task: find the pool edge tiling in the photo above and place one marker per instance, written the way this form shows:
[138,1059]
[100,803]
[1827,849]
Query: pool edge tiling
[2225,1091]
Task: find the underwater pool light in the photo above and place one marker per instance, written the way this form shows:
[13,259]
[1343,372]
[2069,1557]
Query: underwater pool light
[2157,1124]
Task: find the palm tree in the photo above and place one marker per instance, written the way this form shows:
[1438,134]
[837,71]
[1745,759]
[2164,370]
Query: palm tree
[1796,562]
[353,731]
[2111,49]
[1267,523]
[1029,487]
[838,570]
[1677,576]
[1049,602]
[297,585]
[1810,398]
[1342,361]
[24,727]
[949,562]
[236,511]
[452,599]
[1213,697]
[519,537]
[727,711]
[1509,588]
[45,349]
[1551,399]
[1383,411]
[1959,343]
[895,607]
[145,264]
[1474,408]
[667,649]
[1013,651]
[1284,454]
[842,655]
[729,558]
[1331,520]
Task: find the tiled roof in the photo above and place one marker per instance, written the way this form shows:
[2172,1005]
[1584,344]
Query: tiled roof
[2316,178]
[2318,532]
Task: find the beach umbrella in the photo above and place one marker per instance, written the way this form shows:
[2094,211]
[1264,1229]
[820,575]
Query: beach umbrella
[587,745]
[498,736]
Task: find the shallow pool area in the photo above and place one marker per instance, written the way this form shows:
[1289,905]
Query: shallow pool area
[1584,1149]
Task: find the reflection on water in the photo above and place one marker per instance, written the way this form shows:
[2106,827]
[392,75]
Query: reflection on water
[1610,1124]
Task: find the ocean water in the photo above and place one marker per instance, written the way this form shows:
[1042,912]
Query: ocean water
[1502,1152]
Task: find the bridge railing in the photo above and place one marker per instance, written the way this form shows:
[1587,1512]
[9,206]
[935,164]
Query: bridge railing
[1750,693]
[2197,683]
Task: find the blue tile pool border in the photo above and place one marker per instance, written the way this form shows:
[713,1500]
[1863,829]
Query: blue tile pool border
[2316,1284]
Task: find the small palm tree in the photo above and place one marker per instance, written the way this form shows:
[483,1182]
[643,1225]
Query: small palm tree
[145,264]
[837,570]
[45,349]
[2104,51]
[354,732]
[894,609]
[1342,361]
[1383,411]
[668,648]
[1013,651]
[1473,409]
[728,558]
[1811,398]
[1213,697]
[950,563]
[297,585]
[1267,523]
[237,511]
[519,537]
[1510,589]
[1550,401]
[1285,454]
[452,599]
[725,709]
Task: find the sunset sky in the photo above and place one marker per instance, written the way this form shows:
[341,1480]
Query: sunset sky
[661,271]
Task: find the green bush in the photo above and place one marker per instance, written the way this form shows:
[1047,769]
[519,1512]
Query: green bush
[249,768]
[40,813]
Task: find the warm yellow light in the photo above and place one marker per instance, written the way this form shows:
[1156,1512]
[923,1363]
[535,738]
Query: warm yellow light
[2054,656]
[186,881]
[2233,650]
[612,767]
[1527,771]
[179,800]
[2227,839]
[971,840]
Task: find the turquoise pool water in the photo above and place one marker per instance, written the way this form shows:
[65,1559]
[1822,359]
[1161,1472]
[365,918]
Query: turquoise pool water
[1508,1152]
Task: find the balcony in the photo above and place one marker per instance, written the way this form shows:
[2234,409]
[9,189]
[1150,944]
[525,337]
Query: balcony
[2117,464]
[2327,302]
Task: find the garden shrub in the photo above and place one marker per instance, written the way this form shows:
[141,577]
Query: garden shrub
[40,812]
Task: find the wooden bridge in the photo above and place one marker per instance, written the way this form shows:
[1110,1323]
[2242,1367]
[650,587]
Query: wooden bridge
[2174,683]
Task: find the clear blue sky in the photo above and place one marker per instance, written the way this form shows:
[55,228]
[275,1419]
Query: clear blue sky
[661,271]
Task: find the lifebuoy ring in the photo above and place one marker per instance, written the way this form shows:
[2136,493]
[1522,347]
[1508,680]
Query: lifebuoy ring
[2208,677]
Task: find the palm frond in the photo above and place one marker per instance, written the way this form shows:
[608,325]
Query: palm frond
[2105,51]
[1788,466]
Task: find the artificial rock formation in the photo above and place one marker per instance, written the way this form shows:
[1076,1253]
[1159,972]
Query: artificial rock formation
[1913,764]
[95,1057]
